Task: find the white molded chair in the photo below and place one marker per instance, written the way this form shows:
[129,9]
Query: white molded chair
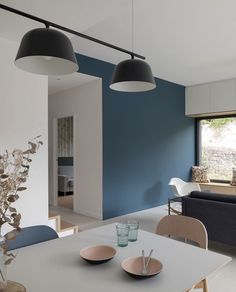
[181,188]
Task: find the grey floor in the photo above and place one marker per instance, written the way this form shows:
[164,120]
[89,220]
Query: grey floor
[223,280]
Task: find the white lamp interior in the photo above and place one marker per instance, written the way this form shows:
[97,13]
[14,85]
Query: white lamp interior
[132,86]
[46,65]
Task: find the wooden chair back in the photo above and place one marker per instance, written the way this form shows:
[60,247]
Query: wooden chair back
[184,227]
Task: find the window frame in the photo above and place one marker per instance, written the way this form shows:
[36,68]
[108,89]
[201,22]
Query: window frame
[198,140]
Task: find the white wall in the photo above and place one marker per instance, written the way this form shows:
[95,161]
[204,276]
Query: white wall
[85,103]
[24,105]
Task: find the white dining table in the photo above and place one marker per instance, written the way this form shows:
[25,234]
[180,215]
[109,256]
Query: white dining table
[56,266]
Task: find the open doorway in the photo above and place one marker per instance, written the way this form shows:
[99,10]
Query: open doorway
[78,96]
[65,159]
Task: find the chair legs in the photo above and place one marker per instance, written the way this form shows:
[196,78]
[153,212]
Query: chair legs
[201,285]
[174,211]
[205,285]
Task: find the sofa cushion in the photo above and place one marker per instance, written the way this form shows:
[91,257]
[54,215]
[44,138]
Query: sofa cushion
[213,196]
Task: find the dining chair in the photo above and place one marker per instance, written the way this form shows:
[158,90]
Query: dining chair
[179,189]
[31,235]
[189,229]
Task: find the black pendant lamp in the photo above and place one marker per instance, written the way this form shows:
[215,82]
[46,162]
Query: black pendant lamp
[46,51]
[132,75]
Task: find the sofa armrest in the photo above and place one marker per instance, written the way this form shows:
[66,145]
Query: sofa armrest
[219,217]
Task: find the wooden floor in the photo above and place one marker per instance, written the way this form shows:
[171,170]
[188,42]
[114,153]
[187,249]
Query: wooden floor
[66,202]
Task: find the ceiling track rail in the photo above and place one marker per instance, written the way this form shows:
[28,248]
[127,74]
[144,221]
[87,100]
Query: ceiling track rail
[48,24]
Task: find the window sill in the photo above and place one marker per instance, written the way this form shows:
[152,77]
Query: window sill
[220,188]
[226,185]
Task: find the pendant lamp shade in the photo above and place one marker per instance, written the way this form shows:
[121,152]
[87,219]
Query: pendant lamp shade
[132,75]
[46,51]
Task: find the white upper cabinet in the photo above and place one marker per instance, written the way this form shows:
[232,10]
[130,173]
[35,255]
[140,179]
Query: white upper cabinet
[223,96]
[197,99]
[211,99]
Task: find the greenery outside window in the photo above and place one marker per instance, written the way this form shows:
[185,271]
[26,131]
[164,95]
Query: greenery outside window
[217,146]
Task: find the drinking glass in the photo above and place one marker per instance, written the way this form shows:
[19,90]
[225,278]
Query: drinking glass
[122,231]
[133,230]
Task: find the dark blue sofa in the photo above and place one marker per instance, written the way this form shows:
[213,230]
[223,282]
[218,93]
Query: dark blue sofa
[216,211]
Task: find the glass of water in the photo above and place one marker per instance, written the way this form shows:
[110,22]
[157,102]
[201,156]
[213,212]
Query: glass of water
[133,230]
[122,231]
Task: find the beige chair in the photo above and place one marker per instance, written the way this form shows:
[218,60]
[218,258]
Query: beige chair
[187,228]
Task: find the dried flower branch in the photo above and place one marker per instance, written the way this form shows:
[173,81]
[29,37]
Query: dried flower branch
[14,170]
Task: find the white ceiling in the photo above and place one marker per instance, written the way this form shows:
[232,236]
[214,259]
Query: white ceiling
[65,82]
[185,41]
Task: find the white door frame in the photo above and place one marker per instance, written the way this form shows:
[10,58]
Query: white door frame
[55,158]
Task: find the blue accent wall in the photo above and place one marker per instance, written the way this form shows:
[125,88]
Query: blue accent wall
[146,140]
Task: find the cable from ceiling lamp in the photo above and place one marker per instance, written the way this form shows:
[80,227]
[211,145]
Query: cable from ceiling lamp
[132,75]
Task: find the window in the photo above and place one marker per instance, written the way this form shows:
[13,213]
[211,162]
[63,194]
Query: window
[217,146]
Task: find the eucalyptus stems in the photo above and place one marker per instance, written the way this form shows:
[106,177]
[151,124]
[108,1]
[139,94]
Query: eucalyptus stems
[14,171]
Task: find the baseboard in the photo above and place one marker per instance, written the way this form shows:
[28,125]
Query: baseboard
[89,214]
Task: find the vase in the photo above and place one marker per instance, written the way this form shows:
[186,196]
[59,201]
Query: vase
[3,266]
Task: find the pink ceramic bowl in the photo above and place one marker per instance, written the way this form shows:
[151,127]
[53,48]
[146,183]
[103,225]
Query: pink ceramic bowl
[134,266]
[98,254]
